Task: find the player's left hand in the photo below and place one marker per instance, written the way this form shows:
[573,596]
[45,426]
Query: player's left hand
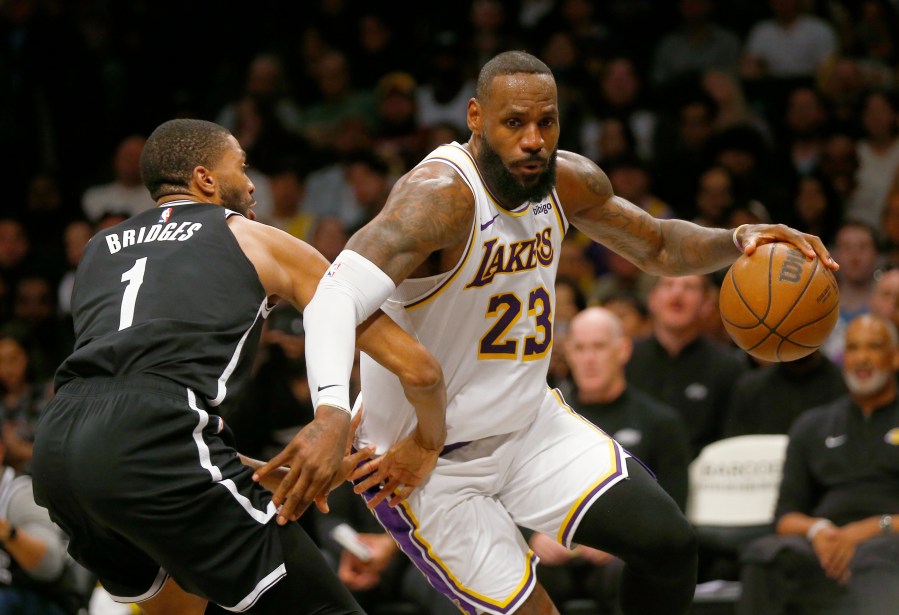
[314,457]
[751,236]
[399,471]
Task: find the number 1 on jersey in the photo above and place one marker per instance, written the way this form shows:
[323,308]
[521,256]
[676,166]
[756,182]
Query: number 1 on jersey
[134,277]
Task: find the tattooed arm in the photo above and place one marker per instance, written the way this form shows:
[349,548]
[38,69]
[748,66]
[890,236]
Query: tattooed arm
[429,209]
[660,247]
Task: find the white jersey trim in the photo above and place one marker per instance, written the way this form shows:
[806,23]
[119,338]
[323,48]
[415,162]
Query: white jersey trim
[264,311]
[161,577]
[261,516]
[264,585]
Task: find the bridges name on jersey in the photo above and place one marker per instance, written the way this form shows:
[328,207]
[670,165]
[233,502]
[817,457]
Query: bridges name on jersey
[513,257]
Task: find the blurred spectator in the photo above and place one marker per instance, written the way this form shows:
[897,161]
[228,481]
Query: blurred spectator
[126,192]
[77,234]
[597,350]
[631,310]
[743,152]
[878,156]
[609,139]
[37,576]
[266,85]
[788,44]
[680,366]
[446,86]
[855,249]
[873,31]
[842,83]
[620,93]
[329,236]
[575,264]
[287,184]
[681,150]
[732,107]
[698,44]
[801,135]
[23,399]
[836,543]
[632,180]
[34,321]
[339,100]
[715,198]
[768,399]
[889,228]
[15,248]
[369,177]
[620,276]
[328,192]
[377,51]
[397,135]
[839,164]
[885,298]
[569,301]
[816,208]
[490,31]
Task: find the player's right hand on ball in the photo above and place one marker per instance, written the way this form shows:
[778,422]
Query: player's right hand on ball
[314,457]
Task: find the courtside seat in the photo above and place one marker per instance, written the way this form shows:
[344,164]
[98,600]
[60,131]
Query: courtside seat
[733,487]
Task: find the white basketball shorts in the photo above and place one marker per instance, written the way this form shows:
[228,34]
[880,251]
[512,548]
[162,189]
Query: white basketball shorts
[461,527]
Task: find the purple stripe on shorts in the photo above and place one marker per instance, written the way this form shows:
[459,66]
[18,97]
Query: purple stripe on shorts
[587,500]
[402,528]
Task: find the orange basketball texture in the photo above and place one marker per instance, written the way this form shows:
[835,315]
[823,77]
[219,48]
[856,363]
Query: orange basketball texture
[778,305]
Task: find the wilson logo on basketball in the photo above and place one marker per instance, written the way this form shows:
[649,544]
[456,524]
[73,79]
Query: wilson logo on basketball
[791,268]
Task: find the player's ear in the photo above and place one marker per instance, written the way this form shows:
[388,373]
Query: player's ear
[474,116]
[204,180]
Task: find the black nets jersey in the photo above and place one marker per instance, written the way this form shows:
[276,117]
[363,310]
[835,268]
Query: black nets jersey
[168,292]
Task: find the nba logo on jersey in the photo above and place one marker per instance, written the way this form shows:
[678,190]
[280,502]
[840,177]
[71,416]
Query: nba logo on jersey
[333,270]
[165,215]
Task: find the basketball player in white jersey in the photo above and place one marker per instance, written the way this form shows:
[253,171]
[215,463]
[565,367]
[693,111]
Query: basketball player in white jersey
[515,453]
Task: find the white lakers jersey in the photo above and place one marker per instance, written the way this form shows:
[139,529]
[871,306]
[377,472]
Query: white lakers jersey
[488,321]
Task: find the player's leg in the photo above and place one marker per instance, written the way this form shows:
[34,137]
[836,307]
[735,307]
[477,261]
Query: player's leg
[571,481]
[538,603]
[309,586]
[172,600]
[637,521]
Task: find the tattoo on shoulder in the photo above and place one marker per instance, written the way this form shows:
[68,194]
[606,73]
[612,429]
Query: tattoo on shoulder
[420,217]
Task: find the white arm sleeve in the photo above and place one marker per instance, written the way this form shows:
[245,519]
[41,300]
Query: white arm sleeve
[352,290]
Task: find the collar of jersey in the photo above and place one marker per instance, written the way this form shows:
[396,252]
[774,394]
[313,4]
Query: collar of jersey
[178,202]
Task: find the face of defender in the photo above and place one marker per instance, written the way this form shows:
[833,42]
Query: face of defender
[235,188]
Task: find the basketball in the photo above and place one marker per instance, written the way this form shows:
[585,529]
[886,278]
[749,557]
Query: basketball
[778,305]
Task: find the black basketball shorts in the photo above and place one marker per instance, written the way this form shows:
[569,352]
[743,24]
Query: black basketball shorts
[134,471]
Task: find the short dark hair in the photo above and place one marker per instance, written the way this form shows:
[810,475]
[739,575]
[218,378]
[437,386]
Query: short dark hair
[174,149]
[508,63]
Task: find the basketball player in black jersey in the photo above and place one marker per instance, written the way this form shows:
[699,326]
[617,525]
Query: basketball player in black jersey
[130,457]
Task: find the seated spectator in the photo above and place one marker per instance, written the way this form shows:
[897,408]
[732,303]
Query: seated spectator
[885,297]
[855,249]
[597,350]
[22,398]
[37,576]
[768,399]
[681,366]
[631,310]
[126,192]
[836,544]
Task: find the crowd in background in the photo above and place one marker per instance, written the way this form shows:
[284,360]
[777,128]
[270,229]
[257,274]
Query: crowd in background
[719,112]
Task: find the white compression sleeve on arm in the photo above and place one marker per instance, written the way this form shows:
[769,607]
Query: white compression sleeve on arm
[352,290]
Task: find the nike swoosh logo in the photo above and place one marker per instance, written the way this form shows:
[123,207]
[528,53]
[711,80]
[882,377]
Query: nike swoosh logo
[489,222]
[834,441]
[327,386]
